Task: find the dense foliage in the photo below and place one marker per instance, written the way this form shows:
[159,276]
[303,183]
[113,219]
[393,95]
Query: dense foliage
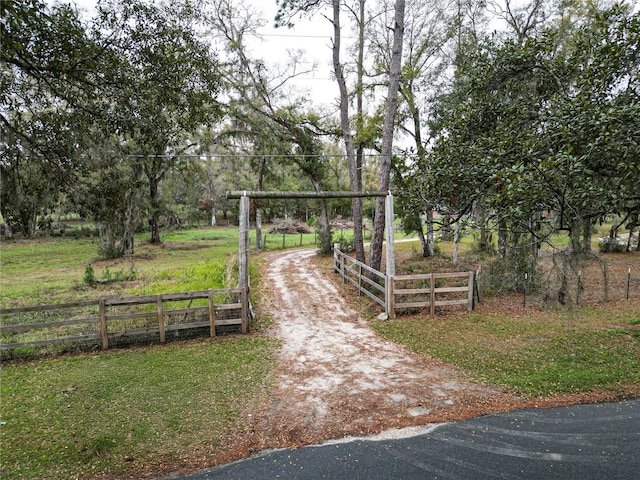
[537,134]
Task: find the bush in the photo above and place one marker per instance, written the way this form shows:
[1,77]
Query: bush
[508,274]
[605,246]
[89,275]
[118,275]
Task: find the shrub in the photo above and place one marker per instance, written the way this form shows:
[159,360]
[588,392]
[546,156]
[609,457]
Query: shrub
[606,246]
[89,275]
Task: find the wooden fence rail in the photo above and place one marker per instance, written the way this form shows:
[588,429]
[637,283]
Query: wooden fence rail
[351,271]
[104,325]
[433,291]
[383,288]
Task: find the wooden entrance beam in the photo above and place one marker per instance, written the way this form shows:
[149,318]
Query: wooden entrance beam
[258,194]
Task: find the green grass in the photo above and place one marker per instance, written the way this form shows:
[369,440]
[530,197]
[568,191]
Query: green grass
[543,354]
[117,411]
[275,241]
[52,270]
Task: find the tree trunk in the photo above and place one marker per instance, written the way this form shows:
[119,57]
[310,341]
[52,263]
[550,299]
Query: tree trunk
[580,236]
[325,228]
[484,238]
[613,234]
[481,218]
[456,238]
[154,221]
[355,176]
[423,242]
[502,239]
[375,257]
[29,225]
[446,228]
[130,221]
[587,231]
[430,236]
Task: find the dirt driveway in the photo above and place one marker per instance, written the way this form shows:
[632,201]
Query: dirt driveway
[337,377]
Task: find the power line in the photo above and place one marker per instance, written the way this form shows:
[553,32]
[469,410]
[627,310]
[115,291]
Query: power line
[245,155]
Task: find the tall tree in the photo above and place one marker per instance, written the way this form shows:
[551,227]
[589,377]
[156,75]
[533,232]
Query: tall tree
[168,83]
[375,257]
[261,105]
[48,67]
[546,124]
[354,157]
[427,32]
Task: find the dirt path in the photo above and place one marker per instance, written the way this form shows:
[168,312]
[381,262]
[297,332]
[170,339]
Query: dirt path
[337,377]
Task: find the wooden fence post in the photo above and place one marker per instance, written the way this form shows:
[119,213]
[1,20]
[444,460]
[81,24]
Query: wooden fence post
[388,215]
[160,318]
[470,295]
[391,300]
[432,294]
[244,299]
[243,260]
[212,314]
[390,257]
[359,279]
[103,324]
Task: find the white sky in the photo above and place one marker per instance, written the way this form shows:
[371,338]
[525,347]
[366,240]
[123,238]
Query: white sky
[313,37]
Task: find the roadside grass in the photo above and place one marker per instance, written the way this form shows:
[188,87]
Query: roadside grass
[538,353]
[119,412]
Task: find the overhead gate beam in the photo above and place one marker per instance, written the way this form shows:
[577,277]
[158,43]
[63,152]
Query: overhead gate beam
[258,194]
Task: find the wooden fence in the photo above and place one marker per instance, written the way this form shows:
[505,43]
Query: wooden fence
[373,286]
[100,321]
[425,289]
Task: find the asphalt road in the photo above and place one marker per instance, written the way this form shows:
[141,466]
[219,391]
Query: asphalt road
[584,442]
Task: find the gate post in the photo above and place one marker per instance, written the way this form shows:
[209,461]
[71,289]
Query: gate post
[390,256]
[243,260]
[388,215]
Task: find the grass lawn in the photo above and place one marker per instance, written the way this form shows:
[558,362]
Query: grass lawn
[46,271]
[52,270]
[537,353]
[531,351]
[124,411]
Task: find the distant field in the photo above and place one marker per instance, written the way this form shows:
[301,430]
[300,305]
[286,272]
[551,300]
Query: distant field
[51,270]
